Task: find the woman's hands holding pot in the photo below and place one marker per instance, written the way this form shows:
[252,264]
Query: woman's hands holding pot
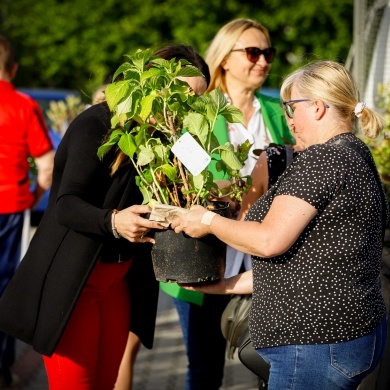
[130,224]
[190,223]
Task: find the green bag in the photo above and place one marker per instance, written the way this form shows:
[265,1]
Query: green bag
[175,291]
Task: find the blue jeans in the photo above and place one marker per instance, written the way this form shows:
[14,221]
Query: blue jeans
[205,344]
[11,226]
[325,366]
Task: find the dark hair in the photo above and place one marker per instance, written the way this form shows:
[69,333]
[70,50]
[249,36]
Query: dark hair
[7,55]
[185,52]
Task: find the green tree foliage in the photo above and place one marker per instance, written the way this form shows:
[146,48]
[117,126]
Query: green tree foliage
[75,44]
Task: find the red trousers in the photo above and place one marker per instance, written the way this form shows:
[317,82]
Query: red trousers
[90,350]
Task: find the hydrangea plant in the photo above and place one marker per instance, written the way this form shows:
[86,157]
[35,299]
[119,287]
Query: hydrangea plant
[151,109]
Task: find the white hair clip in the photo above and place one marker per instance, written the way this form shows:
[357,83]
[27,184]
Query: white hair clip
[359,108]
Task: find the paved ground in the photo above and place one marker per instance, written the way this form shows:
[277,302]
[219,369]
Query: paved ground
[163,367]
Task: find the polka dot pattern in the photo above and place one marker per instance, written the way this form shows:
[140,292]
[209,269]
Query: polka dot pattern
[325,288]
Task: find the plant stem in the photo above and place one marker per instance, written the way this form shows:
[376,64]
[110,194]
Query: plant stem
[173,196]
[195,200]
[210,133]
[184,178]
[159,190]
[155,191]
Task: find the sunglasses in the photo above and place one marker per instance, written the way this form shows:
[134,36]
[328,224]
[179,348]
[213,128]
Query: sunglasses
[253,53]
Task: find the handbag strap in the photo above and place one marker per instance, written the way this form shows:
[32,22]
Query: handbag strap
[289,154]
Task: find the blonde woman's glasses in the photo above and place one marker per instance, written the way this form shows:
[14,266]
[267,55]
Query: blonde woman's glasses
[289,109]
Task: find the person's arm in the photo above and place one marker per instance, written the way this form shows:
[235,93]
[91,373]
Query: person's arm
[287,218]
[237,284]
[86,180]
[259,185]
[44,165]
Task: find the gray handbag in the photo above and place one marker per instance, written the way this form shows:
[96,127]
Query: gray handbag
[234,327]
[234,321]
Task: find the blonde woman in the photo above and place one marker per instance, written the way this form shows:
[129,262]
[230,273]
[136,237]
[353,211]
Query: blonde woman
[316,237]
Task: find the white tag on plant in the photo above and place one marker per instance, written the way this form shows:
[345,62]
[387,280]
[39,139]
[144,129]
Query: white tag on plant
[191,154]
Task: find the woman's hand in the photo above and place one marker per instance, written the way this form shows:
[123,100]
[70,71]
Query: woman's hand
[190,223]
[133,227]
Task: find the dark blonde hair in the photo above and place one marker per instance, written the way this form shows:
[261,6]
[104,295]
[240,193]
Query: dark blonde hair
[332,83]
[222,45]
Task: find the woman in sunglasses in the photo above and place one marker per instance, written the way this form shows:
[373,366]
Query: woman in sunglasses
[240,59]
[316,238]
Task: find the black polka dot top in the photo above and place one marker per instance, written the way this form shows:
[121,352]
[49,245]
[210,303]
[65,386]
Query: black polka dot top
[326,287]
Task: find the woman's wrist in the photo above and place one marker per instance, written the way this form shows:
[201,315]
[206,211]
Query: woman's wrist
[207,217]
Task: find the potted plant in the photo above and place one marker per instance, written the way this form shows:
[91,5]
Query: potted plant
[155,113]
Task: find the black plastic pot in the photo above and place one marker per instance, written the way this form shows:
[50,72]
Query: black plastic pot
[182,259]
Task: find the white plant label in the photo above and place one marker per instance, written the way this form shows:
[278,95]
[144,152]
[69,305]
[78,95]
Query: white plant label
[191,154]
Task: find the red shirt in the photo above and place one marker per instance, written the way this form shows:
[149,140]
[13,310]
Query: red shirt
[23,133]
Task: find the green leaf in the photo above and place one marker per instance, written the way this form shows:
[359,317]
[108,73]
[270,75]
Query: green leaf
[145,155]
[127,144]
[147,195]
[140,58]
[161,152]
[228,156]
[132,75]
[197,125]
[198,181]
[147,175]
[113,140]
[230,159]
[243,151]
[114,122]
[128,106]
[146,106]
[169,171]
[116,92]
[199,104]
[160,62]
[214,143]
[122,69]
[174,106]
[220,166]
[189,71]
[181,90]
[233,114]
[141,134]
[152,72]
[227,146]
[219,100]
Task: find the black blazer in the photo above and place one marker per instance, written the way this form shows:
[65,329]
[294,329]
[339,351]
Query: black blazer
[74,232]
